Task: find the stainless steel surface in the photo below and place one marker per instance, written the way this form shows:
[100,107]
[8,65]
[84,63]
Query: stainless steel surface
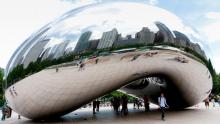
[137,48]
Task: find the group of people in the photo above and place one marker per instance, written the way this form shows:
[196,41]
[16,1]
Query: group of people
[116,102]
[6,112]
[138,102]
[213,99]
[181,59]
[123,101]
[82,64]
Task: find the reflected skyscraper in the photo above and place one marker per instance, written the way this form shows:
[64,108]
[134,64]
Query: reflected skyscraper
[146,36]
[83,42]
[45,54]
[108,38]
[61,49]
[35,52]
[181,39]
[164,33]
[93,44]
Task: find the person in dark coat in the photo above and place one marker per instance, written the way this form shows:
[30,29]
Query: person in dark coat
[124,103]
[94,106]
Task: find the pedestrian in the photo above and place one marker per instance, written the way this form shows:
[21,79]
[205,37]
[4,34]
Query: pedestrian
[134,57]
[218,101]
[80,65]
[116,104]
[97,60]
[206,102]
[146,103]
[8,111]
[4,111]
[97,105]
[124,103]
[112,103]
[94,106]
[135,101]
[57,69]
[162,104]
[141,101]
[213,102]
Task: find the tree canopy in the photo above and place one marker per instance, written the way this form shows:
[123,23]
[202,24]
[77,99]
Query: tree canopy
[1,88]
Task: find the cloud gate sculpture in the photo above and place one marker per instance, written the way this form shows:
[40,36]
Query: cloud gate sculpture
[99,48]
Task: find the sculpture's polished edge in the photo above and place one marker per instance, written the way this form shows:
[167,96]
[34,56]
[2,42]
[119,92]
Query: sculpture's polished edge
[46,75]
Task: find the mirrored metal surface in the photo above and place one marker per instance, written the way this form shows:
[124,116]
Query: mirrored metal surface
[106,26]
[127,31]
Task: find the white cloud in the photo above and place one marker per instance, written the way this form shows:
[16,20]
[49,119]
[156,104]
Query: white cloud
[216,61]
[81,2]
[211,28]
[213,15]
[212,31]
[153,2]
[19,19]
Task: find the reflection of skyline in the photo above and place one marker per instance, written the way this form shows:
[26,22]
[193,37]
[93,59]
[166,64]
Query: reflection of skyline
[70,25]
[108,39]
[114,39]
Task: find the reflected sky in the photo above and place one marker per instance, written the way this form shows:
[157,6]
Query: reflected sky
[127,17]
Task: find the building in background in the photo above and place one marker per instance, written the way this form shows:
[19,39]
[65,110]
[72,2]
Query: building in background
[93,44]
[61,49]
[126,42]
[35,52]
[45,54]
[108,38]
[83,42]
[145,36]
[164,35]
[181,39]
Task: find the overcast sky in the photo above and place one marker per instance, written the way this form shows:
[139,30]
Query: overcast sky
[21,18]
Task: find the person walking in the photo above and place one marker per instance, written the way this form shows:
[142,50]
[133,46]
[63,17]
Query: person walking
[162,104]
[146,103]
[97,105]
[117,104]
[213,102]
[124,102]
[135,101]
[57,69]
[206,102]
[81,65]
[97,60]
[4,111]
[94,106]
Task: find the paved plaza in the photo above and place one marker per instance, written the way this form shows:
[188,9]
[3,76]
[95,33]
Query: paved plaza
[193,115]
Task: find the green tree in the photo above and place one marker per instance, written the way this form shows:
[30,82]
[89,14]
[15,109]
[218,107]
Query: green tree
[216,84]
[211,69]
[16,74]
[1,80]
[1,87]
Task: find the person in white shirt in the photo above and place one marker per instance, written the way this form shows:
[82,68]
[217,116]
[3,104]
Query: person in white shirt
[162,104]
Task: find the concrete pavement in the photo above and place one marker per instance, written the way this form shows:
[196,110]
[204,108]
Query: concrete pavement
[192,115]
